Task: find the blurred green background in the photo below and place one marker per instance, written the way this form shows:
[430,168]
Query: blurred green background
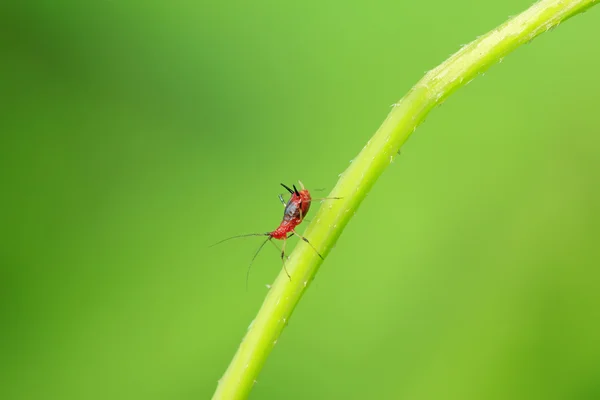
[135,134]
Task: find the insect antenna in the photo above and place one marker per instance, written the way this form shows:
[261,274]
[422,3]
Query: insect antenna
[241,236]
[253,258]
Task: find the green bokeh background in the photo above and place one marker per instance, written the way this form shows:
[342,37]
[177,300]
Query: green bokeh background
[135,134]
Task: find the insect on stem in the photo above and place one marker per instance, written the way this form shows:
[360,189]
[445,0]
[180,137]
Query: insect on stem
[296,209]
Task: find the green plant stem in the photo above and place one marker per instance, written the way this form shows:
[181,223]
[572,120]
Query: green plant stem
[357,180]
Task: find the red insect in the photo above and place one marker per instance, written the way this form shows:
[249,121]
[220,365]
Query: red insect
[295,210]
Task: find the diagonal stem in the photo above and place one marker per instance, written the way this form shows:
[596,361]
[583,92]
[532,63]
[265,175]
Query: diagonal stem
[358,179]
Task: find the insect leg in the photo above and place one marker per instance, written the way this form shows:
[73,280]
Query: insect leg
[302,216]
[281,199]
[279,249]
[327,198]
[309,243]
[255,254]
[283,258]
